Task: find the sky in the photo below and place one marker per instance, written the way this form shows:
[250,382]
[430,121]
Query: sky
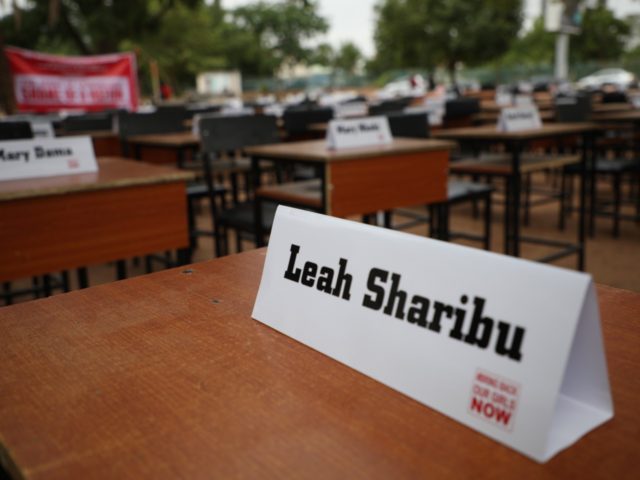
[353,20]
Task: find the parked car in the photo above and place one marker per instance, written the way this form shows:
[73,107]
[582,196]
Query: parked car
[608,76]
[407,86]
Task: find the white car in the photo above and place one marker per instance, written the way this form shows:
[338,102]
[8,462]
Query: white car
[607,76]
[407,86]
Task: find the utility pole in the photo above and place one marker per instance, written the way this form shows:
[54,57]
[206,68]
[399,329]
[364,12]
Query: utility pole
[562,56]
[564,18]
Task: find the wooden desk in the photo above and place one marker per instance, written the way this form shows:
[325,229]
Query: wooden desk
[492,116]
[492,106]
[516,143]
[172,148]
[630,116]
[167,376]
[611,107]
[126,209]
[105,142]
[366,180]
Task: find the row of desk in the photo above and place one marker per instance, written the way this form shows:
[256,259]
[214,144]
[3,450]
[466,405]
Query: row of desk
[360,181]
[388,185]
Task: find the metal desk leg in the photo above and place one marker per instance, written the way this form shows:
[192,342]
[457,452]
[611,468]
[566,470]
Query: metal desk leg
[257,204]
[83,277]
[507,215]
[516,150]
[587,182]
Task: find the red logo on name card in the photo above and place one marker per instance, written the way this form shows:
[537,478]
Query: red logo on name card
[73,163]
[494,399]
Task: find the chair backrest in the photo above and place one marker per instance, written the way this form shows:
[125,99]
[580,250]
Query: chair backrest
[193,110]
[573,109]
[389,106]
[223,133]
[357,99]
[89,122]
[297,119]
[461,107]
[614,97]
[413,125]
[15,130]
[167,120]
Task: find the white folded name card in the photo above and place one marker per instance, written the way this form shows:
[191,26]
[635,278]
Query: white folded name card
[434,108]
[515,119]
[362,132]
[510,348]
[504,99]
[46,157]
[42,130]
[350,110]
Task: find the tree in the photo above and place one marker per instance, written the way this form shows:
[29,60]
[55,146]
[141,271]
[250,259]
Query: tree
[602,37]
[599,27]
[184,36]
[347,57]
[181,56]
[86,26]
[276,35]
[428,33]
[535,47]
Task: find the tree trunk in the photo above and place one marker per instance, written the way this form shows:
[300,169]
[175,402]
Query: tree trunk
[451,68]
[7,99]
[73,32]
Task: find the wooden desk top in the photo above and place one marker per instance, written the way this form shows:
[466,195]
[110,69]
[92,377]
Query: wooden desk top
[316,150]
[167,375]
[492,106]
[611,107]
[113,172]
[91,133]
[171,140]
[619,116]
[491,133]
[545,115]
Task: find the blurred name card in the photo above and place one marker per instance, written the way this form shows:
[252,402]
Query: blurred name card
[46,157]
[519,359]
[362,132]
[351,110]
[515,119]
[434,108]
[635,101]
[523,100]
[504,99]
[42,130]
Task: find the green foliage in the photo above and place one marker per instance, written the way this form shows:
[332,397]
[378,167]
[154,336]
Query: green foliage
[87,26]
[276,35]
[323,54]
[602,39]
[347,57]
[533,48]
[184,36]
[430,33]
[182,56]
[603,36]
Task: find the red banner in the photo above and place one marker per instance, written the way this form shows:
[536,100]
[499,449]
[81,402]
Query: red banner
[47,83]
